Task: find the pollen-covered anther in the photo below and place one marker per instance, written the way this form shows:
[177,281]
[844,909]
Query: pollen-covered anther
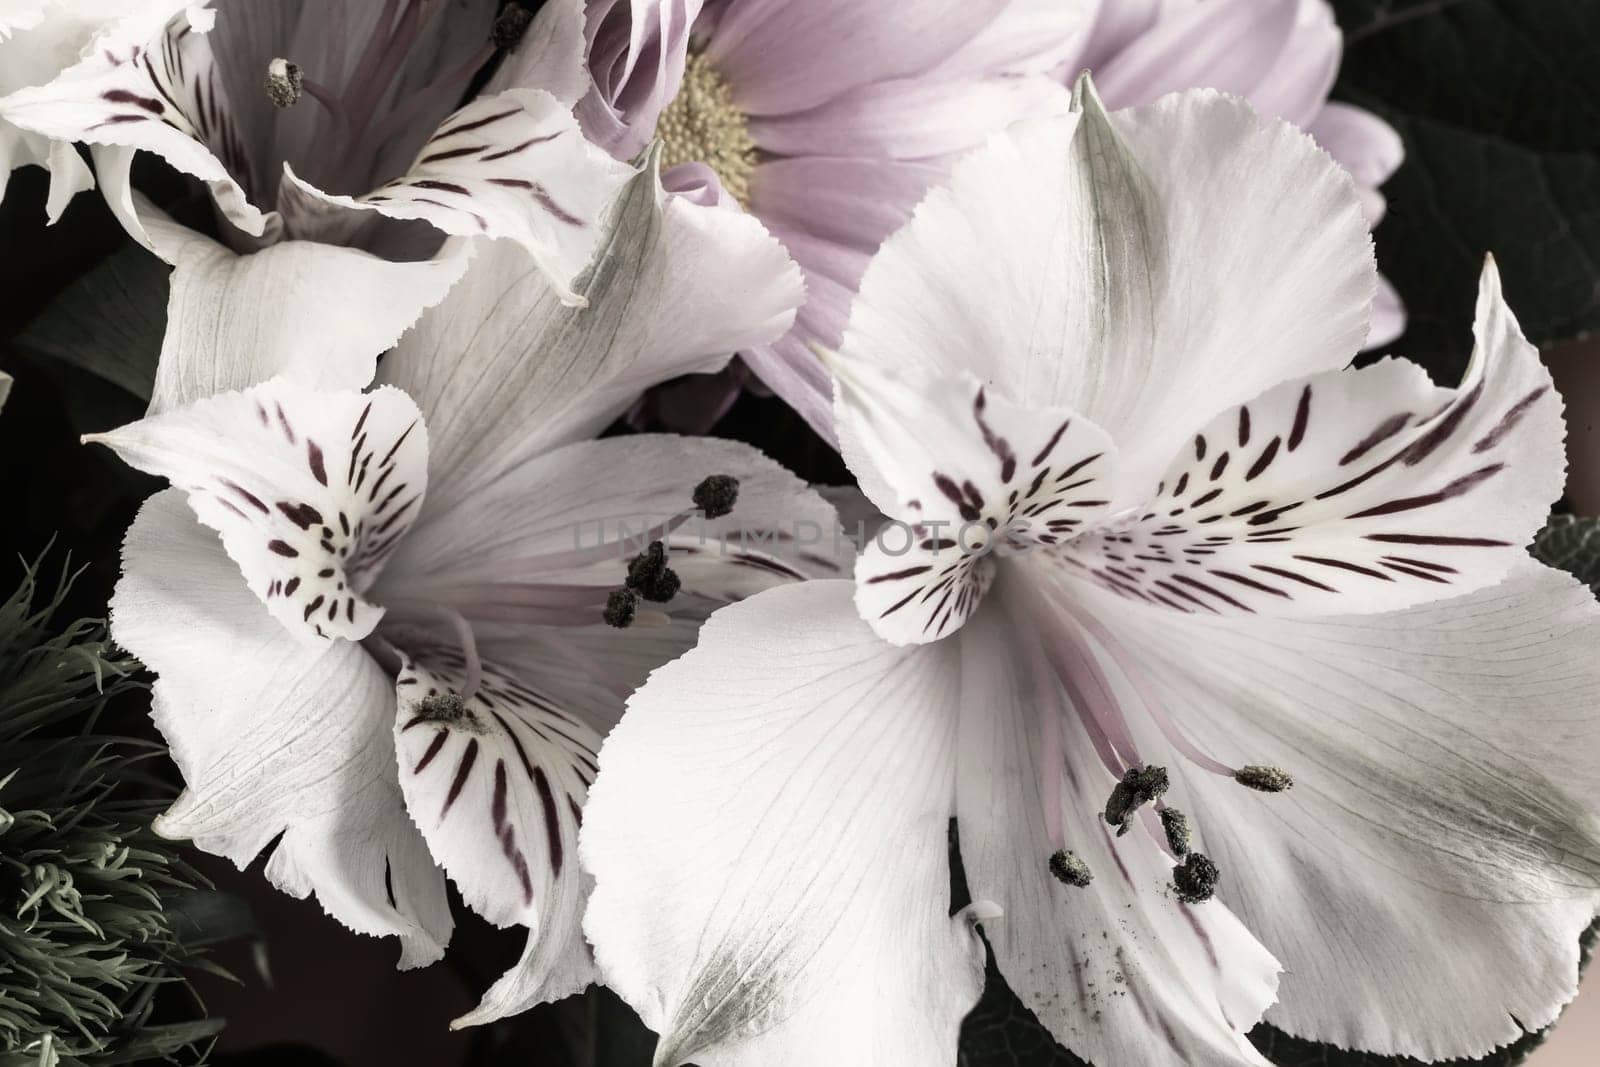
[1195,878]
[716,495]
[1069,869]
[448,709]
[622,605]
[1140,785]
[1263,779]
[650,577]
[283,83]
[1180,836]
[510,25]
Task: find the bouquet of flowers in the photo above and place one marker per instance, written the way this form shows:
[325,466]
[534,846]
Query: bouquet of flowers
[875,533]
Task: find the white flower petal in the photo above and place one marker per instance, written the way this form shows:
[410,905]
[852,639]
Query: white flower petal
[504,372]
[512,165]
[496,784]
[314,313]
[1426,879]
[1352,491]
[149,83]
[550,55]
[768,838]
[274,738]
[968,472]
[310,491]
[1141,269]
[1119,970]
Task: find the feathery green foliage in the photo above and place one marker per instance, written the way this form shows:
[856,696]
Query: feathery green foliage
[85,943]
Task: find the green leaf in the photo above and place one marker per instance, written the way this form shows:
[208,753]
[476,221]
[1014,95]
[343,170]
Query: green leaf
[109,322]
[1497,103]
[1572,544]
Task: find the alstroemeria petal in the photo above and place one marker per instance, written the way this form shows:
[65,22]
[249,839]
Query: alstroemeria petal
[152,84]
[1427,878]
[969,472]
[496,783]
[600,498]
[1119,970]
[274,738]
[317,314]
[1353,491]
[1142,268]
[309,490]
[504,372]
[550,55]
[768,836]
[512,165]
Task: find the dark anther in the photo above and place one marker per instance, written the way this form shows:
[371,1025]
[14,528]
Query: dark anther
[1264,779]
[1195,878]
[1139,786]
[621,606]
[1069,869]
[716,495]
[283,83]
[649,575]
[510,25]
[443,707]
[1179,835]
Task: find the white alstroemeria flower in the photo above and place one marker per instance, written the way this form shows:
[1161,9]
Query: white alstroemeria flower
[38,40]
[1114,353]
[332,145]
[385,644]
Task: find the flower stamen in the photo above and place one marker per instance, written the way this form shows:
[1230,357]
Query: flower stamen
[1069,869]
[704,125]
[1264,779]
[1195,879]
[1138,786]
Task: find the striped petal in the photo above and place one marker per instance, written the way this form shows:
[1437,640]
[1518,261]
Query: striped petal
[310,490]
[1353,491]
[511,165]
[150,83]
[496,783]
[969,473]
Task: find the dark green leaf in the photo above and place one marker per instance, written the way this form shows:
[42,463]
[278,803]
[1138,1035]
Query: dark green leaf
[1498,102]
[1572,544]
[109,322]
[203,917]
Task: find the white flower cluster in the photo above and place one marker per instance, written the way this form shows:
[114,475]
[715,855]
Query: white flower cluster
[1225,658]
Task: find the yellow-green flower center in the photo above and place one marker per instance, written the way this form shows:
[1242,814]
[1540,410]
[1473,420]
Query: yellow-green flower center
[703,124]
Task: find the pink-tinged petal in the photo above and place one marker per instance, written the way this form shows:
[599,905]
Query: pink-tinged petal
[1442,820]
[1353,491]
[783,58]
[515,166]
[1388,316]
[1231,45]
[637,53]
[1119,970]
[310,490]
[852,201]
[968,473]
[496,783]
[1116,26]
[1364,144]
[910,118]
[768,837]
[550,56]
[314,313]
[1027,37]
[1138,268]
[274,738]
[504,372]
[792,371]
[150,85]
[1297,86]
[698,184]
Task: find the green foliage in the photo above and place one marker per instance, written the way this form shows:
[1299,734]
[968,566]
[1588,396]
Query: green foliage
[1496,103]
[85,942]
[1572,544]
